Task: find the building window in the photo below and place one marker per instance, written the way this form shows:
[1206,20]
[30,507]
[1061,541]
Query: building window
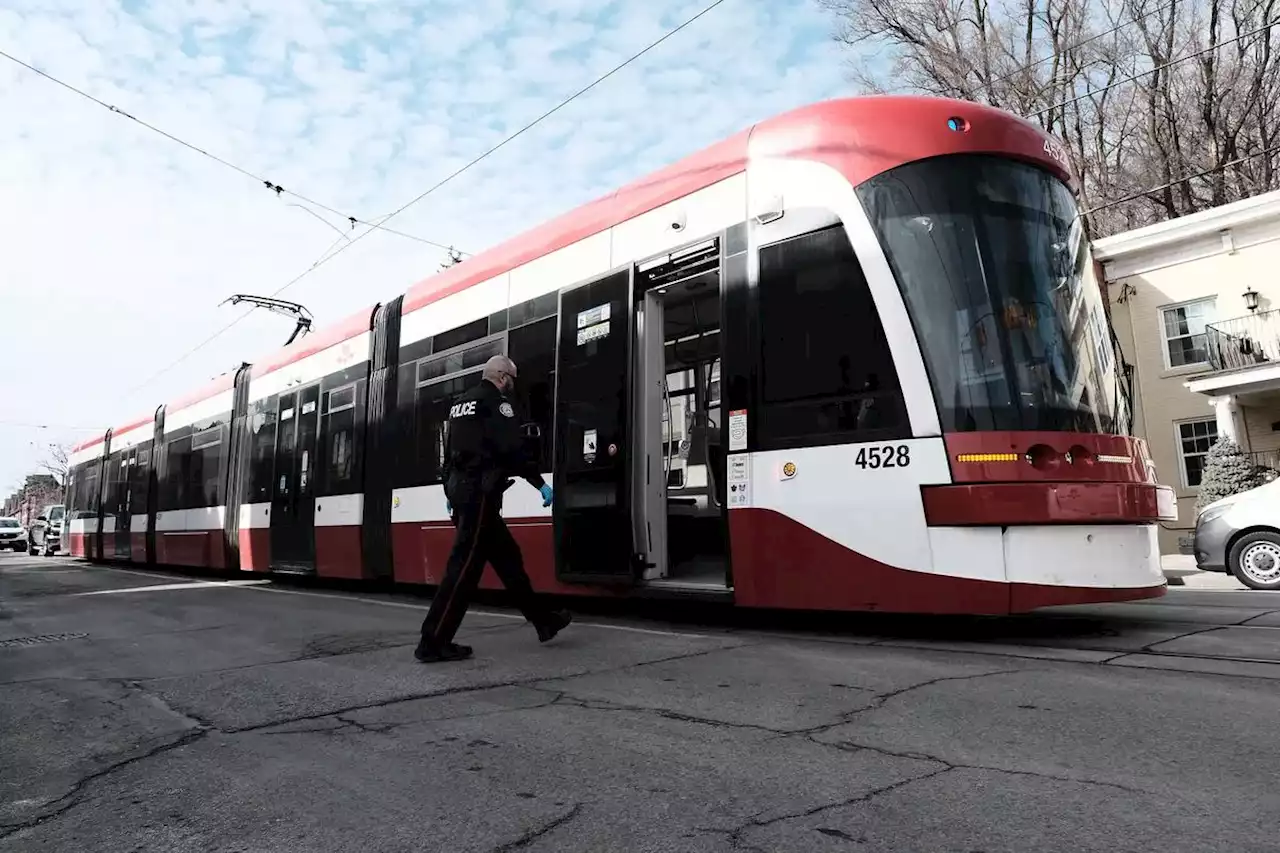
[1194,440]
[1184,335]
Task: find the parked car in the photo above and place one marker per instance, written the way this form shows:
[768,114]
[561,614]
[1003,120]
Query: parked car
[1240,534]
[12,535]
[46,534]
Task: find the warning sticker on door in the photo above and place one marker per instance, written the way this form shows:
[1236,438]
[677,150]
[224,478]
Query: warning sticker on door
[593,315]
[739,481]
[589,445]
[593,333]
[737,430]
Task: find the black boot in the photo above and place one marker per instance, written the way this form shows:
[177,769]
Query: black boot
[448,652]
[553,623]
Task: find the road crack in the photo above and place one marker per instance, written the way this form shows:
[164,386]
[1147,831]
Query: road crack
[853,746]
[538,832]
[879,700]
[529,683]
[73,797]
[737,835]
[567,699]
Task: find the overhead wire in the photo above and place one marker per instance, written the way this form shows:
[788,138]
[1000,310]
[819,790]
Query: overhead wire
[1153,70]
[1184,179]
[267,183]
[330,253]
[1077,45]
[30,425]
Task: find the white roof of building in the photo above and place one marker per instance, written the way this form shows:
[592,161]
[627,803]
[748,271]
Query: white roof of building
[1206,232]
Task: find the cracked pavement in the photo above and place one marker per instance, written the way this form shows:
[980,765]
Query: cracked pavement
[281,718]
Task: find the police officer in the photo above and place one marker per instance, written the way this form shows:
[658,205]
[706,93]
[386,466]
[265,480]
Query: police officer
[483,452]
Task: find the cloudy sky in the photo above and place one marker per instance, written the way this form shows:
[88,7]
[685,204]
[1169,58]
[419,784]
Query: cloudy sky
[116,245]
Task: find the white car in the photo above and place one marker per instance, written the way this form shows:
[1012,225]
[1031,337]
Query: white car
[12,535]
[1240,535]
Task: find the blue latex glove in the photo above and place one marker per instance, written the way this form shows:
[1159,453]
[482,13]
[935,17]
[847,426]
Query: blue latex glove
[546,494]
[448,507]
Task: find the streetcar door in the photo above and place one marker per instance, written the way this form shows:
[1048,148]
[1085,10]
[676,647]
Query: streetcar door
[293,508]
[593,436]
[123,549]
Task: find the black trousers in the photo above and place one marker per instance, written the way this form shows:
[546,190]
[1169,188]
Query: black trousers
[482,536]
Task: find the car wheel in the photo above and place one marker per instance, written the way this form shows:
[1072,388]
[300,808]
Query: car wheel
[1255,560]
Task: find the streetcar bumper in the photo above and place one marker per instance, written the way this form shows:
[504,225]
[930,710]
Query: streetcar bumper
[1048,565]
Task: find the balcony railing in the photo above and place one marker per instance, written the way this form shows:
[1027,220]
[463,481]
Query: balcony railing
[1267,462]
[1244,341]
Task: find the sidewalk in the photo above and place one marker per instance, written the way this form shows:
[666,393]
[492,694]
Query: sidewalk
[1180,570]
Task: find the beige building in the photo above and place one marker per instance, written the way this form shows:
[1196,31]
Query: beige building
[1196,305]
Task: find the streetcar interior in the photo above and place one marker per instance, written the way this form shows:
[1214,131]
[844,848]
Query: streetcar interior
[680,406]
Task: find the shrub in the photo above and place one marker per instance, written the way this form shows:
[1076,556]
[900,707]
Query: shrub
[1227,471]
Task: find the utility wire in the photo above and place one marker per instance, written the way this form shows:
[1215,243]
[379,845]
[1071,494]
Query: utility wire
[1042,60]
[1135,196]
[1161,67]
[51,426]
[270,185]
[330,253]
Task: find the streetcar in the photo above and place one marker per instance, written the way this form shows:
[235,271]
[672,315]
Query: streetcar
[855,357]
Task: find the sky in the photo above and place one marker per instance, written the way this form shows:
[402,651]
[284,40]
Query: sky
[117,245]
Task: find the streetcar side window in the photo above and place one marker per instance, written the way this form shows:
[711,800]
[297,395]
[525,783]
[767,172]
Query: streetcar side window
[205,486]
[428,388]
[431,411]
[339,436]
[827,374]
[533,349]
[262,459]
[177,473]
[139,480]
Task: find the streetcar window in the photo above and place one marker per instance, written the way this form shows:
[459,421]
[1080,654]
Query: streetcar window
[533,349]
[461,335]
[139,482]
[177,474]
[206,483]
[993,266]
[827,374]
[86,490]
[262,442]
[431,411]
[338,474]
[426,403]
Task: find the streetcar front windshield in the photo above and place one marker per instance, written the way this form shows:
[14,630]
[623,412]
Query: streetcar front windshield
[997,277]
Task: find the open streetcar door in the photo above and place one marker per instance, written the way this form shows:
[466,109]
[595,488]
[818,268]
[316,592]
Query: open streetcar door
[593,435]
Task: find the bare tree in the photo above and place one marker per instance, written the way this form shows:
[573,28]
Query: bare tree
[39,491]
[55,462]
[1169,105]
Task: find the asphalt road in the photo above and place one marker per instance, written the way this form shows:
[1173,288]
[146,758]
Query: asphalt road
[136,715]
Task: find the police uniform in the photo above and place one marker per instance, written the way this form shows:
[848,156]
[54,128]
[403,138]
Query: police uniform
[484,450]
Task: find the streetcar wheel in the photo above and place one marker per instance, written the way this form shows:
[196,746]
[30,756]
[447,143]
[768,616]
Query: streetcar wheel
[1255,560]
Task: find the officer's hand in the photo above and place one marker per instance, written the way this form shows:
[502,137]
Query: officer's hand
[546,495]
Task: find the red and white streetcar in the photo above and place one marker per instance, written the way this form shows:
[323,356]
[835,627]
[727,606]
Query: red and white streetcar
[853,358]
